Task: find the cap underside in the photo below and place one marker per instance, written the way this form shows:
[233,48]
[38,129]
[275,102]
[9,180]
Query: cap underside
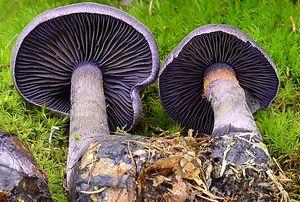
[181,82]
[53,49]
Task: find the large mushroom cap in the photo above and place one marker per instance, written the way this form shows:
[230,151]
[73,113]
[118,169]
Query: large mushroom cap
[56,42]
[181,79]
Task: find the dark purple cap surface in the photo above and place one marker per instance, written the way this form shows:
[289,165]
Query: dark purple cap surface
[181,77]
[52,46]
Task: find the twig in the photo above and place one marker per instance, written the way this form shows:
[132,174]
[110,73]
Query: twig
[284,194]
[53,129]
[4,65]
[281,103]
[8,44]
[208,193]
[163,133]
[278,166]
[143,144]
[293,24]
[132,159]
[150,7]
[224,163]
[94,192]
[207,199]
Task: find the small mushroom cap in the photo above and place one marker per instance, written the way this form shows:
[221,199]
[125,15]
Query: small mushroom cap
[52,46]
[182,74]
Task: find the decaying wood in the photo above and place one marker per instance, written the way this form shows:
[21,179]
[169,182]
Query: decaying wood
[133,168]
[20,177]
[158,169]
[241,169]
[108,170]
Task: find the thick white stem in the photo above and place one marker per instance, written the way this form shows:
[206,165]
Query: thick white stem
[88,117]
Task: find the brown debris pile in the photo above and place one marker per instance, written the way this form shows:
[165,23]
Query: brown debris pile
[178,175]
[187,172]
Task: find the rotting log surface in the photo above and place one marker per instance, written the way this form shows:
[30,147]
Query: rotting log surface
[175,168]
[108,170]
[241,169]
[20,177]
[134,168]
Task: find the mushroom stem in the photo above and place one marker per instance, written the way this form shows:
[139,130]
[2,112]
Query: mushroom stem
[227,98]
[88,117]
[238,154]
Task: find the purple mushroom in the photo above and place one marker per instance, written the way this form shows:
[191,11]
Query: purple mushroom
[211,47]
[20,177]
[88,61]
[212,82]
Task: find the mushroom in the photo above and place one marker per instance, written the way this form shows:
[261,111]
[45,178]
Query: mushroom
[182,78]
[20,177]
[88,61]
[211,83]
